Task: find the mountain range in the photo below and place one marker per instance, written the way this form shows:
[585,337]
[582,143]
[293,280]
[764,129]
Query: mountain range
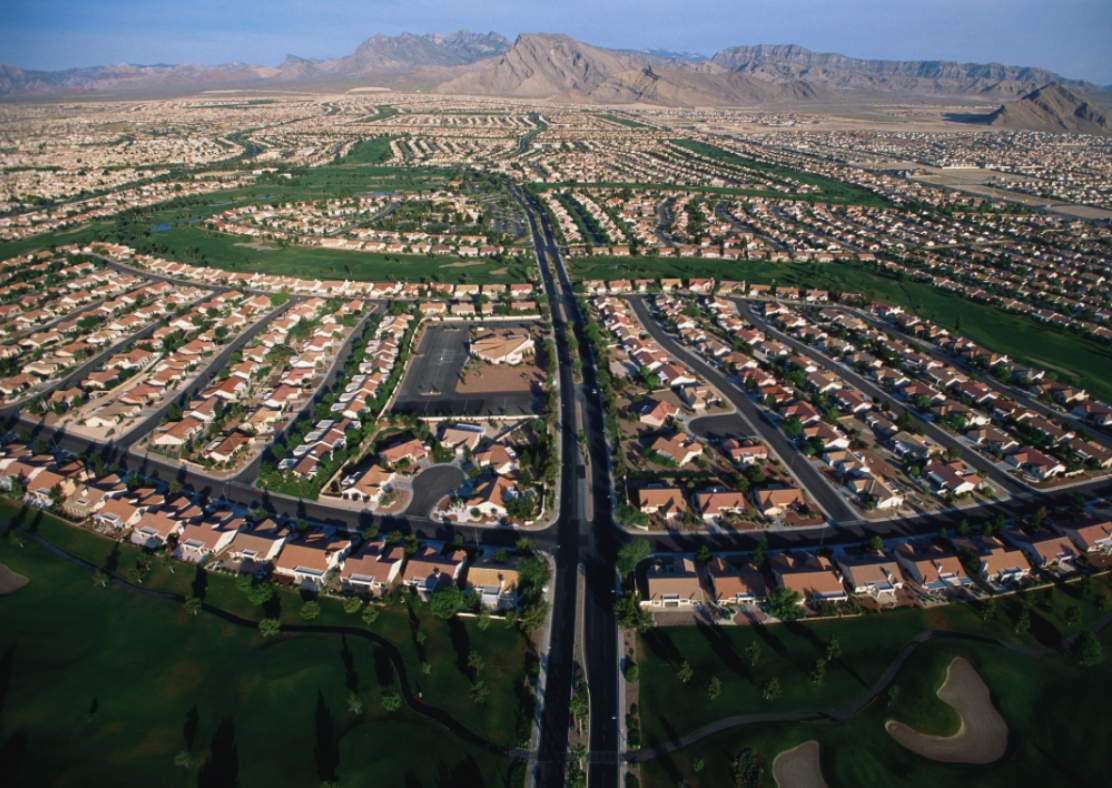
[1051,108]
[559,68]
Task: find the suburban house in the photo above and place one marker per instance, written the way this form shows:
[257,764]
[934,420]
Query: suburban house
[1089,534]
[718,502]
[1036,463]
[1045,549]
[496,583]
[254,551]
[744,452]
[667,501]
[875,573]
[673,583]
[370,569]
[815,578]
[427,570]
[307,561]
[738,586]
[931,567]
[153,528]
[198,541]
[775,503]
[998,563]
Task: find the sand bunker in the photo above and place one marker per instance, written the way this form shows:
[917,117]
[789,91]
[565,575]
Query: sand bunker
[462,264]
[983,736]
[10,581]
[799,768]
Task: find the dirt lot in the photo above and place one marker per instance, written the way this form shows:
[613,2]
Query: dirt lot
[493,378]
[799,768]
[983,736]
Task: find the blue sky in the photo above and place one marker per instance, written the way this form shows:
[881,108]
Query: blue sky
[1067,36]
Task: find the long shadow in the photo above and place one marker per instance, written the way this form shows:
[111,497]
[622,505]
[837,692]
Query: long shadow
[12,754]
[351,678]
[327,750]
[662,646]
[773,642]
[461,642]
[464,774]
[7,665]
[221,769]
[384,668]
[192,723]
[724,649]
[410,781]
[199,586]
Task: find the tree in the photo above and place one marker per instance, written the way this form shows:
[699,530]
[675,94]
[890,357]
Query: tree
[479,693]
[784,603]
[580,752]
[184,760]
[355,703]
[484,617]
[260,593]
[1088,649]
[697,765]
[446,602]
[893,694]
[1023,623]
[100,578]
[703,554]
[771,689]
[630,554]
[714,687]
[685,673]
[1073,615]
[759,553]
[310,610]
[476,662]
[753,652]
[876,544]
[269,626]
[632,672]
[818,670]
[630,613]
[175,486]
[192,605]
[352,604]
[833,649]
[747,769]
[370,613]
[988,608]
[391,701]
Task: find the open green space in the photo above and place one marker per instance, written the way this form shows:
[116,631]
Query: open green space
[100,678]
[835,191]
[1054,708]
[198,246]
[375,150]
[623,121]
[384,112]
[869,645]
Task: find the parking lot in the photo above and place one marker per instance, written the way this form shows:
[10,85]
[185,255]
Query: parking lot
[429,387]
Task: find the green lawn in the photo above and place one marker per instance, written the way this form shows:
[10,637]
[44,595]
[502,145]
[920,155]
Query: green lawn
[832,190]
[143,664]
[1054,709]
[670,708]
[370,151]
[230,252]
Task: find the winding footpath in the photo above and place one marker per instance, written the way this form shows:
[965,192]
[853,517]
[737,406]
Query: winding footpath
[431,712]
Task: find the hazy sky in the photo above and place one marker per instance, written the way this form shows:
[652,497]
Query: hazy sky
[1068,36]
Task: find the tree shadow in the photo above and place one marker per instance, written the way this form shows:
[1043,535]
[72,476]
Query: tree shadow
[200,583]
[327,751]
[662,646]
[221,769]
[464,773]
[12,754]
[192,723]
[461,642]
[351,678]
[7,666]
[410,781]
[770,639]
[112,562]
[384,668]
[723,648]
